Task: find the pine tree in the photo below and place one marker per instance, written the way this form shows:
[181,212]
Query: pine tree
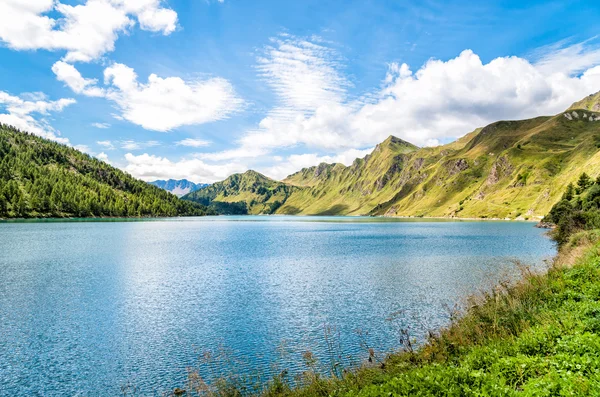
[569,193]
[583,183]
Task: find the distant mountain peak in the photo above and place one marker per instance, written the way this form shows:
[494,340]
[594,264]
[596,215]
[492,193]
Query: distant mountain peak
[179,187]
[254,173]
[396,144]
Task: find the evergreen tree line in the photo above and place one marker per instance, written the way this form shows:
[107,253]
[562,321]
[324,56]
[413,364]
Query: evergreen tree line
[42,178]
[578,209]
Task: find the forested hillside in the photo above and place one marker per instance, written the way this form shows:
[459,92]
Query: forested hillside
[41,178]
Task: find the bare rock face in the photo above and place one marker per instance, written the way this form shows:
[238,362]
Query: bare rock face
[321,168]
[419,194]
[457,166]
[392,211]
[568,116]
[418,164]
[391,173]
[500,169]
[545,225]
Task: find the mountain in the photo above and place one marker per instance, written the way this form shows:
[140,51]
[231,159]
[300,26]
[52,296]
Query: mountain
[591,103]
[247,193]
[41,178]
[179,187]
[508,169]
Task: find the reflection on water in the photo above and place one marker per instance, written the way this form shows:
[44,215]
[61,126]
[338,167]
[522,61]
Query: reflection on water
[86,307]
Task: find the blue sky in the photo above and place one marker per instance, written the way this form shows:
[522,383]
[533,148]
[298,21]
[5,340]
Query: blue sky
[200,89]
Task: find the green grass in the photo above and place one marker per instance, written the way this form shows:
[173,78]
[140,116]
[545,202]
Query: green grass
[538,337]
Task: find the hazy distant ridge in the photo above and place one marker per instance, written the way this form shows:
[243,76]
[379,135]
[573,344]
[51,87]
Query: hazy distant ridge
[179,187]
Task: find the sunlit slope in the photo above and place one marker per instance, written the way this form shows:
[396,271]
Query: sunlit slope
[507,169]
[335,190]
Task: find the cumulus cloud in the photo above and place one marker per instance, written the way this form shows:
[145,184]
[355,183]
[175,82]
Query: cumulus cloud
[104,157]
[85,31]
[69,75]
[149,167]
[442,100]
[20,111]
[160,104]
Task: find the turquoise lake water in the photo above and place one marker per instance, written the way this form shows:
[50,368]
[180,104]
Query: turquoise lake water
[89,307]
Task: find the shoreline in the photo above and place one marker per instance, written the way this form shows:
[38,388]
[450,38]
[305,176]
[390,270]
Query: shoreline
[536,220]
[145,218]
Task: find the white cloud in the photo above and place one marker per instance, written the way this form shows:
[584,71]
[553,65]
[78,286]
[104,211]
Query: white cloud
[568,59]
[193,142]
[85,31]
[134,145]
[161,104]
[72,78]
[149,167]
[107,144]
[101,126]
[19,112]
[104,157]
[83,148]
[304,74]
[442,100]
[306,77]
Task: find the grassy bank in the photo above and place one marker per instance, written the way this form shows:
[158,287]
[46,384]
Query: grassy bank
[538,337]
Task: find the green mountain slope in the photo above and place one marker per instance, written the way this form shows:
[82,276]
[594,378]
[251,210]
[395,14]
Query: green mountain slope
[41,178]
[247,193]
[508,169]
[352,190]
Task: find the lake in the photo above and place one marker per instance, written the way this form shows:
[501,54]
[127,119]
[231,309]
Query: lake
[89,307]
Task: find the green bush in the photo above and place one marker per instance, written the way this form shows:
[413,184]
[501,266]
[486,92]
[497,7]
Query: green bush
[579,209]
